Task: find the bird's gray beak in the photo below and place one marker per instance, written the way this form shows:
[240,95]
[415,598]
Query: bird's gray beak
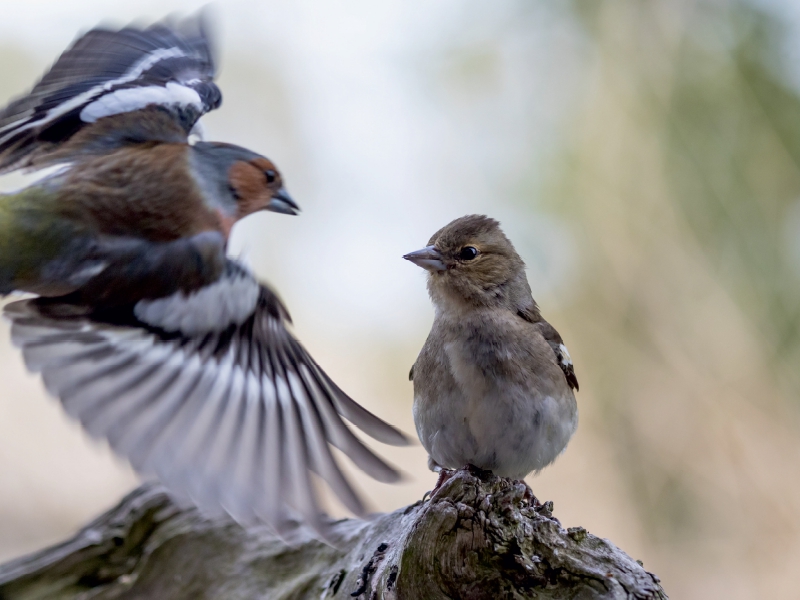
[282,202]
[428,258]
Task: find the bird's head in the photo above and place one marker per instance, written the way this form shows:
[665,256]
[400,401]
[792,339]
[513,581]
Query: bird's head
[471,261]
[240,181]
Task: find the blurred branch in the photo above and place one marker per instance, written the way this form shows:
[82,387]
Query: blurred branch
[477,537]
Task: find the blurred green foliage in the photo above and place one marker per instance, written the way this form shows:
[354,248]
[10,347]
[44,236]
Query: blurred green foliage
[733,143]
[687,178]
[729,128]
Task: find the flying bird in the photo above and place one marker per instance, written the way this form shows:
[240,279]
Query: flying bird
[493,384]
[145,330]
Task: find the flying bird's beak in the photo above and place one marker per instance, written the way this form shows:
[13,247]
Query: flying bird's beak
[429,258]
[281,202]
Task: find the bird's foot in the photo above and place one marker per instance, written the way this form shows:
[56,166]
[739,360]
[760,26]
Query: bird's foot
[444,475]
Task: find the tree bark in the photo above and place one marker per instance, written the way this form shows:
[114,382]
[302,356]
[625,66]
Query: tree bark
[477,537]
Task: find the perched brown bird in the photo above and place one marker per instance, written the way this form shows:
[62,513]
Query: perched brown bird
[148,333]
[493,384]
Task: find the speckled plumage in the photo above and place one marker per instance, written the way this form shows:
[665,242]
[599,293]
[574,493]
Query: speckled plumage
[491,386]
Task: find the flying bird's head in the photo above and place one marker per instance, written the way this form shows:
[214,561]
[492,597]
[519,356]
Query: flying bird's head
[471,261]
[240,181]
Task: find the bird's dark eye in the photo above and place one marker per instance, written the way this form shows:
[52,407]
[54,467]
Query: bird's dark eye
[271,176]
[468,253]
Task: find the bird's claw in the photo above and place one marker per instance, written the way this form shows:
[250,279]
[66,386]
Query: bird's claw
[444,475]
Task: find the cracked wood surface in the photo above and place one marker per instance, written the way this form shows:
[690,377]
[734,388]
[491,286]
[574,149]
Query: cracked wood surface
[477,537]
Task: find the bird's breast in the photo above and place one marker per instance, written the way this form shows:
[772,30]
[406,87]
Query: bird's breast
[476,401]
[467,374]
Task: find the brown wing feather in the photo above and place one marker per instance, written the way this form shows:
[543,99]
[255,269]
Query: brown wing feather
[553,338]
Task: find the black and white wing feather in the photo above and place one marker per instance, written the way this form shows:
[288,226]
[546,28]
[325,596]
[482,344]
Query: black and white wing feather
[107,73]
[209,392]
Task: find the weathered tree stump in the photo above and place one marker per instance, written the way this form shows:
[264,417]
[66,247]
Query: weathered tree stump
[476,537]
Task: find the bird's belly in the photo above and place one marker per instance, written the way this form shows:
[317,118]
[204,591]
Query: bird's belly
[510,432]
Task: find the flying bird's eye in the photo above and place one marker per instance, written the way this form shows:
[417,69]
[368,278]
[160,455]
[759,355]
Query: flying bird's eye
[271,176]
[468,253]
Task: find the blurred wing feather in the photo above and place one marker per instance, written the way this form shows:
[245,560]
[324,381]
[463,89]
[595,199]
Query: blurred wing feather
[107,74]
[236,417]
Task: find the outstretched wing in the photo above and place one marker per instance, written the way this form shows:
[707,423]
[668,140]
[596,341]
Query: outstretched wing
[211,393]
[107,73]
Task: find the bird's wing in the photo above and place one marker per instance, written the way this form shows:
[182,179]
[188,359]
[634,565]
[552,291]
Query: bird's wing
[209,392]
[108,73]
[559,348]
[553,338]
